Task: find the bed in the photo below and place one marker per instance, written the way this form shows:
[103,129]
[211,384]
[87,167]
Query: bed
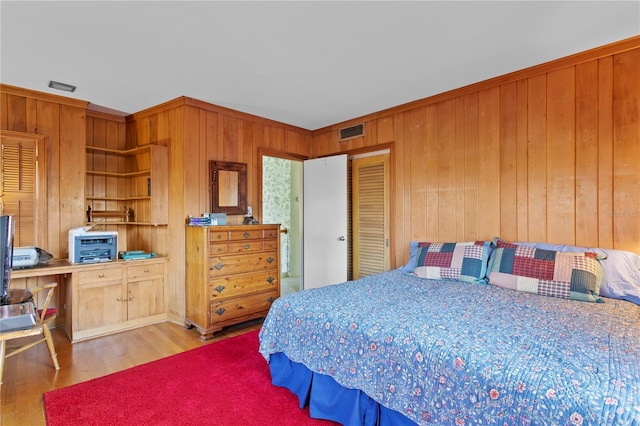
[428,344]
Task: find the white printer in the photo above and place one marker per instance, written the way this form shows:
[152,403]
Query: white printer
[87,246]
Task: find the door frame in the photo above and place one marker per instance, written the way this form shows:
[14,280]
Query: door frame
[367,160]
[370,150]
[262,152]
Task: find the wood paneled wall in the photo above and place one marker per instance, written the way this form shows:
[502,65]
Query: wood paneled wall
[550,153]
[63,122]
[197,132]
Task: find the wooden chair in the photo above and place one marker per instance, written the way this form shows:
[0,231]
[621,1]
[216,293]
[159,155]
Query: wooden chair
[45,316]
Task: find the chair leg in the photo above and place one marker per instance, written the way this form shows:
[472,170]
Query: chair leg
[52,349]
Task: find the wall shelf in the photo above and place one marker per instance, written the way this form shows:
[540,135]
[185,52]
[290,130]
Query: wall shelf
[128,186]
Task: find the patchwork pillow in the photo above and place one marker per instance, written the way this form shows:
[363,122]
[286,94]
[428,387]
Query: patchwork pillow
[463,261]
[568,275]
[621,270]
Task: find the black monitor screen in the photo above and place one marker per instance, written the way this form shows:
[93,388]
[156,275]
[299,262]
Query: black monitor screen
[6,255]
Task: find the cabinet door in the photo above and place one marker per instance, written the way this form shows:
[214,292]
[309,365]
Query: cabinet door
[145,298]
[100,305]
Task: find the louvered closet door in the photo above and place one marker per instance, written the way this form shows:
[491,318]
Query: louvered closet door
[19,186]
[370,215]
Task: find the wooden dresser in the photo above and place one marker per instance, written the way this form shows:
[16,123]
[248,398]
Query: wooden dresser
[232,274]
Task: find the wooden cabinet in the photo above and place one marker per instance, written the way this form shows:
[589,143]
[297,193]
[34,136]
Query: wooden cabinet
[116,296]
[232,274]
[127,187]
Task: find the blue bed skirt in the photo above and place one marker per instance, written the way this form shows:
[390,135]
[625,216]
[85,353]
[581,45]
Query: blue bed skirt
[328,400]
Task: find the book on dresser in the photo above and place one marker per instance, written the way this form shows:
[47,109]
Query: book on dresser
[232,274]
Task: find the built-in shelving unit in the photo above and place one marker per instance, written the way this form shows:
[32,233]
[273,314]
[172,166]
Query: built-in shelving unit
[127,187]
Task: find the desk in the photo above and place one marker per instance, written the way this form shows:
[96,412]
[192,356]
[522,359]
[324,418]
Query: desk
[53,267]
[62,270]
[103,298]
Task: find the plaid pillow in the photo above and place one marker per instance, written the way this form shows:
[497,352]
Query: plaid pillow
[463,261]
[568,275]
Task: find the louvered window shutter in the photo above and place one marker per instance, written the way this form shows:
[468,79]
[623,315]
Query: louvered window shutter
[19,188]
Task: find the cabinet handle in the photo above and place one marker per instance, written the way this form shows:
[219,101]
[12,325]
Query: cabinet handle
[246,235]
[219,289]
[246,246]
[271,299]
[270,280]
[270,259]
[128,299]
[146,270]
[100,275]
[219,236]
[219,266]
[220,311]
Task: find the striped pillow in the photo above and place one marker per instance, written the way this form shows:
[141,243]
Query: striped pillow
[568,275]
[463,261]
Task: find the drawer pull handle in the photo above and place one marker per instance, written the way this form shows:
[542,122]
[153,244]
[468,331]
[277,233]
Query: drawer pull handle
[219,289]
[128,299]
[246,235]
[219,248]
[219,266]
[219,236]
[270,280]
[100,275]
[146,270]
[270,259]
[271,299]
[246,246]
[220,311]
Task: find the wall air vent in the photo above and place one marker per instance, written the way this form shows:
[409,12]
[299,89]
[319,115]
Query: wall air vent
[351,132]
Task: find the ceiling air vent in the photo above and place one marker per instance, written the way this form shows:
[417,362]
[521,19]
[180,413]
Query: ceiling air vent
[351,132]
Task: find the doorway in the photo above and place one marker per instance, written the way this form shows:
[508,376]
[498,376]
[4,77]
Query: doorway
[282,203]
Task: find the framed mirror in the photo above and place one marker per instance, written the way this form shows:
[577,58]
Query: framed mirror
[228,187]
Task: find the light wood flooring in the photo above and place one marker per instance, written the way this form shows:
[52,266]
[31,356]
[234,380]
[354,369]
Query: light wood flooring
[28,375]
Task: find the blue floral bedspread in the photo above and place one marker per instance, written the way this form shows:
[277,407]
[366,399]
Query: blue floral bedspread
[446,352]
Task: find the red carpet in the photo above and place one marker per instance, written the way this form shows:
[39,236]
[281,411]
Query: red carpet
[223,383]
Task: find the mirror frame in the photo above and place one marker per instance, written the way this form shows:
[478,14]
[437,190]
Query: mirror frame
[241,168]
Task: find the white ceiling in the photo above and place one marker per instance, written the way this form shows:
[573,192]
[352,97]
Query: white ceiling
[309,64]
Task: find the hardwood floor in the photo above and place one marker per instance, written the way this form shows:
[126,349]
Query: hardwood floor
[28,375]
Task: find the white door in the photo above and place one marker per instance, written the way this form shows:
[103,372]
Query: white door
[325,221]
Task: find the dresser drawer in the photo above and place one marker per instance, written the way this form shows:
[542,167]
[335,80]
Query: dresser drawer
[100,275]
[246,246]
[218,248]
[237,285]
[236,307]
[271,233]
[270,244]
[239,263]
[143,272]
[217,236]
[253,234]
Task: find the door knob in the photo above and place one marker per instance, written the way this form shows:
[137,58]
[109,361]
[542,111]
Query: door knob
[341,238]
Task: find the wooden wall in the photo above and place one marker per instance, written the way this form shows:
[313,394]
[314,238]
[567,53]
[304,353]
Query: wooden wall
[63,122]
[197,132]
[550,153]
